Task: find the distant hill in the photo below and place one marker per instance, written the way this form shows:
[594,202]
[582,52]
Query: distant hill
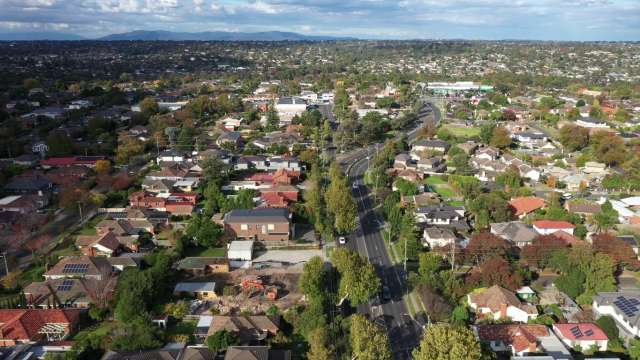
[217,36]
[32,36]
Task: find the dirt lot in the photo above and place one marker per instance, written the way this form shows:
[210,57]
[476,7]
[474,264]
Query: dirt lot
[284,279]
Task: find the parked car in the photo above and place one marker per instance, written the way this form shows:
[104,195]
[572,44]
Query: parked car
[342,240]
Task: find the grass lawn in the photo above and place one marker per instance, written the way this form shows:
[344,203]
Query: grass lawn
[456,203]
[207,252]
[434,180]
[466,132]
[445,192]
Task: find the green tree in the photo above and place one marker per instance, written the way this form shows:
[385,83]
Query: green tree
[486,133]
[149,106]
[358,278]
[59,144]
[136,336]
[340,202]
[573,137]
[313,280]
[320,347]
[368,341]
[634,349]
[443,342]
[608,325]
[406,187]
[203,231]
[221,340]
[606,218]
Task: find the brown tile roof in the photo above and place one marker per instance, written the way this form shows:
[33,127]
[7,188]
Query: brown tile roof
[496,296]
[248,328]
[520,337]
[95,266]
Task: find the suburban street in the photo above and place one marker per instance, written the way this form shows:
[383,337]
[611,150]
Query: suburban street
[404,331]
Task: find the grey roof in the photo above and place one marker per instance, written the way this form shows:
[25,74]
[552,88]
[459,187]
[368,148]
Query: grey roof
[440,211]
[163,354]
[231,136]
[515,231]
[28,184]
[290,100]
[591,120]
[432,143]
[259,215]
[532,135]
[195,286]
[256,353]
[626,303]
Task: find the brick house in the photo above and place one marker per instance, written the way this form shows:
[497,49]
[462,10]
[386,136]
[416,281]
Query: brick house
[263,224]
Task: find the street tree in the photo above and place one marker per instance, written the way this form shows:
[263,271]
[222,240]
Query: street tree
[368,340]
[358,278]
[446,342]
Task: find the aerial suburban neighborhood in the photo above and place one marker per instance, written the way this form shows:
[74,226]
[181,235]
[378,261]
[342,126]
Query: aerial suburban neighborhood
[319,199]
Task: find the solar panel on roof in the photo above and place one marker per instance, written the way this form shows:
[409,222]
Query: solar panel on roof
[589,332]
[65,286]
[75,268]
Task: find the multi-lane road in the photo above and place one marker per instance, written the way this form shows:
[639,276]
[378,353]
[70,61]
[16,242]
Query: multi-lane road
[404,332]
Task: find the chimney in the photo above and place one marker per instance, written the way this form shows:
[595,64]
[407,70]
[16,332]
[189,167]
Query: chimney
[532,347]
[503,311]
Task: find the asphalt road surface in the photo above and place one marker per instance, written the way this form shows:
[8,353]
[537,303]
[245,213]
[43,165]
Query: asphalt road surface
[404,332]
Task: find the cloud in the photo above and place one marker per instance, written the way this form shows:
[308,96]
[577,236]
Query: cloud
[488,19]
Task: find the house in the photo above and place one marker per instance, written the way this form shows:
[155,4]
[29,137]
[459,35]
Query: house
[430,145]
[523,206]
[487,153]
[547,227]
[439,214]
[263,224]
[170,156]
[233,137]
[23,204]
[88,161]
[623,306]
[70,293]
[434,237]
[592,123]
[256,353]
[531,140]
[419,200]
[289,106]
[468,147]
[279,138]
[199,290]
[525,293]
[402,161]
[172,172]
[499,303]
[249,329]
[158,186]
[28,160]
[522,340]
[83,266]
[584,335]
[285,176]
[172,351]
[29,185]
[19,326]
[432,165]
[631,240]
[583,208]
[515,232]
[106,244]
[279,195]
[200,265]
[122,227]
[231,124]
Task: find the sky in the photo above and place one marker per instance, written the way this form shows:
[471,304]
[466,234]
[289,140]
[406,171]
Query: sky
[583,20]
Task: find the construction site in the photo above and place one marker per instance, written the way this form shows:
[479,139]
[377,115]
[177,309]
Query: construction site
[255,291]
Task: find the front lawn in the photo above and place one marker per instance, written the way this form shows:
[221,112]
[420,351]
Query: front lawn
[434,180]
[465,132]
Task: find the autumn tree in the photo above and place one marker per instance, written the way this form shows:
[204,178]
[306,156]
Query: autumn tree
[574,137]
[619,250]
[129,148]
[149,106]
[496,271]
[446,342]
[103,166]
[500,138]
[539,251]
[368,340]
[610,148]
[485,245]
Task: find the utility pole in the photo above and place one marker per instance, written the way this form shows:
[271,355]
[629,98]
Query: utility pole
[6,267]
[80,209]
[453,254]
[405,256]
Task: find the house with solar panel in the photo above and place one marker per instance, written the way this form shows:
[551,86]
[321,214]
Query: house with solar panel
[89,267]
[70,293]
[623,307]
[584,335]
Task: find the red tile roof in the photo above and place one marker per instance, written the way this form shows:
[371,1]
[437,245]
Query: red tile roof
[585,331]
[525,205]
[553,224]
[23,324]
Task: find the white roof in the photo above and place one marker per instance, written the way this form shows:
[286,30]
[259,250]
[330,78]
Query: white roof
[9,199]
[195,286]
[205,321]
[525,290]
[632,201]
[245,245]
